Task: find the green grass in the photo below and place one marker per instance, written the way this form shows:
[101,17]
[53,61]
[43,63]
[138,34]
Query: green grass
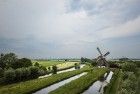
[48,63]
[113,86]
[81,84]
[60,64]
[36,84]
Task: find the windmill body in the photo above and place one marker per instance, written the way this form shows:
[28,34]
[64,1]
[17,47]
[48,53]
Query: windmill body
[101,60]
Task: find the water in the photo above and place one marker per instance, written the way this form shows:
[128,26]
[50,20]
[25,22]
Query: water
[98,86]
[71,69]
[57,85]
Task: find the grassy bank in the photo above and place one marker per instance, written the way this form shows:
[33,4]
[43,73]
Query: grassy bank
[79,85]
[34,85]
[113,86]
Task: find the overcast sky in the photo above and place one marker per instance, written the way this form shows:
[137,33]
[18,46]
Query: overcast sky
[70,28]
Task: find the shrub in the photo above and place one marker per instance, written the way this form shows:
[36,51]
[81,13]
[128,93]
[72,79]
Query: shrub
[18,73]
[1,72]
[26,73]
[129,67]
[54,69]
[9,75]
[36,64]
[34,71]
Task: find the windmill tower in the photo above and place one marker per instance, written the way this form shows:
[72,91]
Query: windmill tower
[101,60]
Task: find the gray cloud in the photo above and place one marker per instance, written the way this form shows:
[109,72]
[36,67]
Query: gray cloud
[70,28]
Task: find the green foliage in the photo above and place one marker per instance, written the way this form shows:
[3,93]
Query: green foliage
[84,60]
[77,66]
[18,73]
[36,64]
[54,69]
[9,75]
[24,62]
[129,85]
[128,66]
[6,60]
[1,72]
[34,71]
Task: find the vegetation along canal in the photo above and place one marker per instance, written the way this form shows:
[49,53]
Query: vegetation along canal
[98,86]
[57,85]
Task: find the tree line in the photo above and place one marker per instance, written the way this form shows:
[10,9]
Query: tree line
[14,69]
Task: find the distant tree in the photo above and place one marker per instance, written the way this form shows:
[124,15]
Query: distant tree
[54,69]
[36,64]
[77,66]
[82,60]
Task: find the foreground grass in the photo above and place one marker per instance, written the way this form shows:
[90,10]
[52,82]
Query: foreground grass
[113,86]
[36,84]
[81,84]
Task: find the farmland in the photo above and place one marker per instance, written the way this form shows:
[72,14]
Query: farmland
[26,79]
[60,64]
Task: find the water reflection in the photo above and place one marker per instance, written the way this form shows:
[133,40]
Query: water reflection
[98,86]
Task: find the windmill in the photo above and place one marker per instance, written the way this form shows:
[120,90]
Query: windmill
[101,60]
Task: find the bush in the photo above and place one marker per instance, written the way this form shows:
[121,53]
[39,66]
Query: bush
[36,64]
[54,69]
[1,72]
[9,75]
[129,67]
[18,73]
[34,71]
[26,73]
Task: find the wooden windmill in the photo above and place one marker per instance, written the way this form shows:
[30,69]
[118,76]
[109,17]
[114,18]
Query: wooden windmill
[101,60]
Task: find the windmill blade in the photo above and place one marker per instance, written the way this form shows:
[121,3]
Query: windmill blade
[106,54]
[99,51]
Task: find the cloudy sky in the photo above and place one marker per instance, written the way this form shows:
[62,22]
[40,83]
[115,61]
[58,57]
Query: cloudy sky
[70,28]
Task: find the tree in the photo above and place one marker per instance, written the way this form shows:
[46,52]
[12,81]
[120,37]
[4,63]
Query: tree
[7,60]
[34,71]
[9,76]
[36,64]
[82,60]
[24,62]
[2,63]
[54,69]
[1,72]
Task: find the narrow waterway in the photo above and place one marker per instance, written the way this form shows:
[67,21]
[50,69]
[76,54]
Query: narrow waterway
[57,85]
[71,69]
[98,86]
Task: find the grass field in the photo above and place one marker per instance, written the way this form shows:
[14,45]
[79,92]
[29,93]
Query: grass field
[49,63]
[59,64]
[36,84]
[79,85]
